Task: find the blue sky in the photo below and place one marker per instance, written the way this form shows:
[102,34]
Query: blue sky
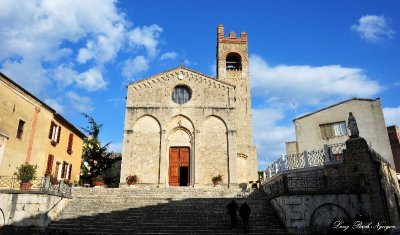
[78,56]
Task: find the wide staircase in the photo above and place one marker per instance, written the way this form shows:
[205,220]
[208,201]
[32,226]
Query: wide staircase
[162,211]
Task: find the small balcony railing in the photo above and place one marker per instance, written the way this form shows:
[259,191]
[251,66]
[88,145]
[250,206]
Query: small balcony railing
[39,185]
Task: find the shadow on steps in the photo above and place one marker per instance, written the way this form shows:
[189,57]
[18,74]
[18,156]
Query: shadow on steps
[113,213]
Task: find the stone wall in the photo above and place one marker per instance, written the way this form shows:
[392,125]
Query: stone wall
[305,214]
[23,209]
[369,188]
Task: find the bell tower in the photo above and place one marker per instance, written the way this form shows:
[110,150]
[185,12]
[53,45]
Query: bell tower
[233,68]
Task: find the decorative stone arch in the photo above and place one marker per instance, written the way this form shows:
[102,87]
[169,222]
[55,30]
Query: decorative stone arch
[218,117]
[181,120]
[145,149]
[323,217]
[146,115]
[212,156]
[180,133]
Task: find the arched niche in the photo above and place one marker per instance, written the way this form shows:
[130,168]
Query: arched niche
[325,216]
[145,152]
[213,150]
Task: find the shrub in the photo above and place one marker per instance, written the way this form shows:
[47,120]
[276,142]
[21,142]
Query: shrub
[217,178]
[132,179]
[26,172]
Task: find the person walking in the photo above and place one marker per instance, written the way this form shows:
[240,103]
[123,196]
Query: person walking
[232,211]
[245,212]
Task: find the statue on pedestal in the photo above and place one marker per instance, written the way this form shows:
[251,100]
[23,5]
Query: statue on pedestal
[352,125]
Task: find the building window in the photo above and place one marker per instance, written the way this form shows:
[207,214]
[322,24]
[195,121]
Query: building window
[233,61]
[49,166]
[69,171]
[64,169]
[333,129]
[181,94]
[54,133]
[57,171]
[70,142]
[20,129]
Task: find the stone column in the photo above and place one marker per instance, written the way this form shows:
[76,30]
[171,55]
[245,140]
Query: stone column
[192,162]
[163,168]
[232,154]
[196,150]
[126,160]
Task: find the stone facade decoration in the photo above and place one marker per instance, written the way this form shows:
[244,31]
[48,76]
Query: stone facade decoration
[32,132]
[183,127]
[329,126]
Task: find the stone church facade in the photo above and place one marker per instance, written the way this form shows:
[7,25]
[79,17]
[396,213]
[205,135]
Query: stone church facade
[183,127]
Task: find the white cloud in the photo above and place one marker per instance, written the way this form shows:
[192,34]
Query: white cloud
[91,80]
[168,55]
[55,105]
[392,115]
[27,73]
[373,28]
[146,36]
[80,103]
[133,66]
[67,42]
[36,30]
[310,85]
[269,136]
[65,76]
[104,47]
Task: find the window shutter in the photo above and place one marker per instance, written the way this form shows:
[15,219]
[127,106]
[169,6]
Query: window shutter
[63,169]
[70,141]
[70,170]
[49,167]
[59,133]
[51,129]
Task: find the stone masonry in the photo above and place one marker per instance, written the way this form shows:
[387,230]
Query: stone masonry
[309,200]
[213,124]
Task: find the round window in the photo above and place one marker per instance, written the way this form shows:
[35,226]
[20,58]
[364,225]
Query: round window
[181,94]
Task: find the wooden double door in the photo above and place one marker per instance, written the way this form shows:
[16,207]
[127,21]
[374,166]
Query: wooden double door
[179,166]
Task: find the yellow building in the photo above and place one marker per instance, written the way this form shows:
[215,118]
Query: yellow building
[32,132]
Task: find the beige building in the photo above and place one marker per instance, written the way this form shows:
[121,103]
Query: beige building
[32,132]
[183,127]
[329,126]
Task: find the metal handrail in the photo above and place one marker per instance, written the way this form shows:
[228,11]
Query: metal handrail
[39,185]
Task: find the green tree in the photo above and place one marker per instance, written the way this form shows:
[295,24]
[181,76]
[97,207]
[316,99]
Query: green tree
[95,158]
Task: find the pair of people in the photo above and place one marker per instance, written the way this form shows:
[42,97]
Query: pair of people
[244,212]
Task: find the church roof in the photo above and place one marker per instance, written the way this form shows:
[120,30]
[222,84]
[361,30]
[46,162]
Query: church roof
[184,68]
[331,106]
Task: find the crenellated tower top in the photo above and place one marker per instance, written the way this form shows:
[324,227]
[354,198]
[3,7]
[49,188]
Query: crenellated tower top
[232,36]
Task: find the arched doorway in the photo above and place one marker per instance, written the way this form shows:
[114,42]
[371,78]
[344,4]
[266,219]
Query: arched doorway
[179,166]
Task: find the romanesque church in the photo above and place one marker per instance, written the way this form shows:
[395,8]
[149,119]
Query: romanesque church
[183,127]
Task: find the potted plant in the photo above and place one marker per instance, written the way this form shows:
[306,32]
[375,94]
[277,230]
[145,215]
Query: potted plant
[26,173]
[54,180]
[98,181]
[217,180]
[132,179]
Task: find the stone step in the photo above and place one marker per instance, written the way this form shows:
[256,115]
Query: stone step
[161,211]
